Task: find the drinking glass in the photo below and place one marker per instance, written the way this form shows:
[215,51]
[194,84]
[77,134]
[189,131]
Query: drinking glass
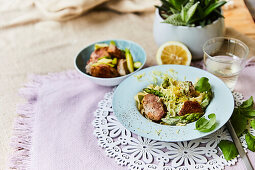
[225,58]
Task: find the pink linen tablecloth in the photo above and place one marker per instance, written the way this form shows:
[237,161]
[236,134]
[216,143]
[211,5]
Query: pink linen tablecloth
[54,130]
[55,127]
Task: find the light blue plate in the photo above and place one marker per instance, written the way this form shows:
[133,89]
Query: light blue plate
[125,109]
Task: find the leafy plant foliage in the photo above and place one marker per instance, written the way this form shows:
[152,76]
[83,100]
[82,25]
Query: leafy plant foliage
[190,12]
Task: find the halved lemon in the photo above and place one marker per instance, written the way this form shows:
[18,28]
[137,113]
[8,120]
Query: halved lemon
[173,52]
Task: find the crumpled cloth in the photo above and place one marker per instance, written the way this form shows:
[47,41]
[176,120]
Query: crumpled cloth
[20,12]
[66,9]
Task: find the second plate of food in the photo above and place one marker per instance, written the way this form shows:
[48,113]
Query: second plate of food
[164,102]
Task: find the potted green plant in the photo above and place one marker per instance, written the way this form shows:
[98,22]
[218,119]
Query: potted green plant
[191,22]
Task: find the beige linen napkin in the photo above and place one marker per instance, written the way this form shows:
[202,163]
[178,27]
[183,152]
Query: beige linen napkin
[20,12]
[66,9]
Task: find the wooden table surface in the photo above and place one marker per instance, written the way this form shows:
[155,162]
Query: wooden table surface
[240,19]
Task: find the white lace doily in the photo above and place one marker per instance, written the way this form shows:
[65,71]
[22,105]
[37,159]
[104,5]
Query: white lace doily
[137,152]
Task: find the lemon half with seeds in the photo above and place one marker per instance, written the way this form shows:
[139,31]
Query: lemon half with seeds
[173,52]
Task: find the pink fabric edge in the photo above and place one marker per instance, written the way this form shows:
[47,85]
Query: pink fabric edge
[21,141]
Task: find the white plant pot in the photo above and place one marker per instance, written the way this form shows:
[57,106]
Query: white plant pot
[192,37]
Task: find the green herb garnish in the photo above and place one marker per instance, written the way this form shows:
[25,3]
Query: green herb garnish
[253,123]
[203,85]
[206,100]
[248,104]
[228,149]
[204,125]
[246,108]
[165,83]
[250,140]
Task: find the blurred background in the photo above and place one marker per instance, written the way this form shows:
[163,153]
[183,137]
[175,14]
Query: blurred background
[251,6]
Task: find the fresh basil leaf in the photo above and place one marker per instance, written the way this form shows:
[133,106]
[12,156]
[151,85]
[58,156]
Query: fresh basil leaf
[206,100]
[253,123]
[246,108]
[203,85]
[247,103]
[204,125]
[239,122]
[250,140]
[248,113]
[228,149]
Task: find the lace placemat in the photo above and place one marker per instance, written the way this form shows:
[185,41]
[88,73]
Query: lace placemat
[139,153]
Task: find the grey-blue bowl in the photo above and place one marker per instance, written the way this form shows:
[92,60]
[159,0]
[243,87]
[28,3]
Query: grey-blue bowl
[136,50]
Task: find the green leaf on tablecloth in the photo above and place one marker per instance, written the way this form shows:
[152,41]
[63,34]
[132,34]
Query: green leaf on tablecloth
[253,123]
[239,122]
[250,140]
[228,149]
[247,104]
[248,113]
[246,109]
[239,119]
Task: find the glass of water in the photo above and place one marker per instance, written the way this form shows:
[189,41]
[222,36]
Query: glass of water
[225,58]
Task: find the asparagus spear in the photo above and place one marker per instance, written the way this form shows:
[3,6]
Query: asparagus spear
[152,91]
[137,64]
[129,58]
